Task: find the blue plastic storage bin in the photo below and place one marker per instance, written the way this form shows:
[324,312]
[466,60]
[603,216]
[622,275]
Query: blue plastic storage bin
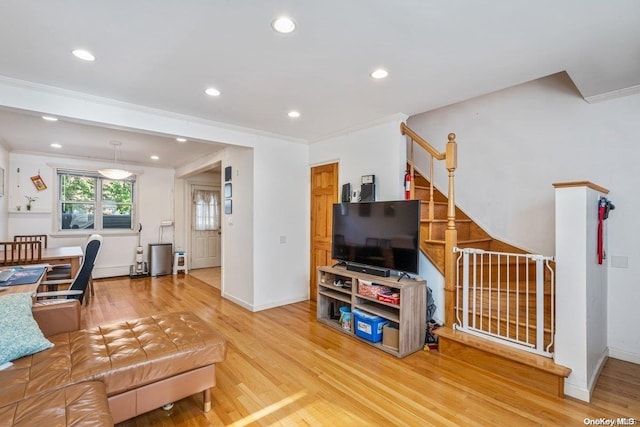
[368,326]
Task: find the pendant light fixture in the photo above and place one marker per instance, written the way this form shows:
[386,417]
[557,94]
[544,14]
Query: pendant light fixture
[115,172]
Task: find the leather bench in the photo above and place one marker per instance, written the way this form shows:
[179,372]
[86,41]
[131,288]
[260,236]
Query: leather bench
[143,364]
[83,404]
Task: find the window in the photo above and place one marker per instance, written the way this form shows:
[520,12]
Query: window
[88,201]
[206,210]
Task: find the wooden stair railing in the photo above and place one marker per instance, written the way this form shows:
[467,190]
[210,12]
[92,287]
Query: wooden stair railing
[443,227]
[450,157]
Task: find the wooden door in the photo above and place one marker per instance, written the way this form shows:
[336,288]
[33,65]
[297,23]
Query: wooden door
[324,193]
[205,241]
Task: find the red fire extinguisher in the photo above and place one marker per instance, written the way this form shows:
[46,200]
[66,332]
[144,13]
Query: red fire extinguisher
[407,185]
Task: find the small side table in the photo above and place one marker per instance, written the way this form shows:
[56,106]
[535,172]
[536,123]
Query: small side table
[180,262]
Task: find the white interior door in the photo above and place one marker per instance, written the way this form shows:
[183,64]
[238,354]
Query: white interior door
[205,226]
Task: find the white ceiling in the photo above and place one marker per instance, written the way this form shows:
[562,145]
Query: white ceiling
[163,54]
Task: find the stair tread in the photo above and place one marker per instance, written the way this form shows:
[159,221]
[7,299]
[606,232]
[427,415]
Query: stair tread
[435,202]
[464,242]
[514,354]
[444,221]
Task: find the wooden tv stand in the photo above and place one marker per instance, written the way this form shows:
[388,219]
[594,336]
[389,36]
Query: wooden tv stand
[409,315]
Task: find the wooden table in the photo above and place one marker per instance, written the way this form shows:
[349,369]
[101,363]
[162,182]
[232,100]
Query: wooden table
[30,288]
[63,255]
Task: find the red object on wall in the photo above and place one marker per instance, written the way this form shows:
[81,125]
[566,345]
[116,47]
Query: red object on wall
[407,185]
[601,213]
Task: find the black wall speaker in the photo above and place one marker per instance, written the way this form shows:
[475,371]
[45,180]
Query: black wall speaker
[368,193]
[346,193]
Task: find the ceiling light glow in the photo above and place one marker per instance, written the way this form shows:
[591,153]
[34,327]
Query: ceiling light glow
[380,73]
[181,140]
[85,55]
[212,91]
[283,25]
[50,118]
[154,157]
[293,114]
[115,172]
[56,145]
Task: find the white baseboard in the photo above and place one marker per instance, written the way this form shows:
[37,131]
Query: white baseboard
[583,392]
[580,393]
[238,301]
[255,308]
[596,373]
[624,355]
[280,303]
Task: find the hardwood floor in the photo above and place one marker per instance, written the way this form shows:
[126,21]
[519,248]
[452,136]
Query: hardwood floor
[284,368]
[210,276]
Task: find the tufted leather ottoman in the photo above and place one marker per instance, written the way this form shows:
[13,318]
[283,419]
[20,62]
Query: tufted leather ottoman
[143,363]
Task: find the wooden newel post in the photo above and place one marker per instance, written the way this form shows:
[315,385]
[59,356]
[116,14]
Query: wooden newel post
[450,235]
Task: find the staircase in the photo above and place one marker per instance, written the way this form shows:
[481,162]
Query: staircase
[514,324]
[470,235]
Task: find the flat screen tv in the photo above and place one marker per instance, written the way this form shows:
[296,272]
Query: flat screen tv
[378,234]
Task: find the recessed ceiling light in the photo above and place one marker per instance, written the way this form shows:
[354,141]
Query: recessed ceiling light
[212,91]
[293,114]
[50,118]
[56,145]
[181,140]
[83,54]
[154,157]
[380,73]
[283,25]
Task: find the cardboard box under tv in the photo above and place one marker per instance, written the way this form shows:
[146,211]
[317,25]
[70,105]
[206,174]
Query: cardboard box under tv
[390,337]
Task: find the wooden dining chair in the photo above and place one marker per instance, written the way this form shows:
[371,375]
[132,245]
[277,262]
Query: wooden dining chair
[42,238]
[19,253]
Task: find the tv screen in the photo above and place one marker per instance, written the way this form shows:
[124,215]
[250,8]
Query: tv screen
[379,234]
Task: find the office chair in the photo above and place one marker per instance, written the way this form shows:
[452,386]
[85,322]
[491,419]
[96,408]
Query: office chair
[78,285]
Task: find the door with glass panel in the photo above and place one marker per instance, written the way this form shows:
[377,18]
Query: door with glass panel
[205,226]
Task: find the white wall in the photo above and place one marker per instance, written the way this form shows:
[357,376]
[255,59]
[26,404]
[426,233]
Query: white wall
[238,235]
[154,204]
[513,144]
[281,223]
[581,316]
[378,150]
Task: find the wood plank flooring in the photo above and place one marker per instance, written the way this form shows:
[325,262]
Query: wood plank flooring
[284,368]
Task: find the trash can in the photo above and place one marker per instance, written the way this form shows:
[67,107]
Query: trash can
[160,259]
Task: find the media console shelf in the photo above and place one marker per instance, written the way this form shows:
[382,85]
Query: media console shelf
[338,287]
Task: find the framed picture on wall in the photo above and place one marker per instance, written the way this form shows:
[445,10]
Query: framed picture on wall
[38,182]
[1,182]
[227,190]
[227,207]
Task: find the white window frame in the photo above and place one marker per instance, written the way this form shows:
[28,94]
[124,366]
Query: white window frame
[97,203]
